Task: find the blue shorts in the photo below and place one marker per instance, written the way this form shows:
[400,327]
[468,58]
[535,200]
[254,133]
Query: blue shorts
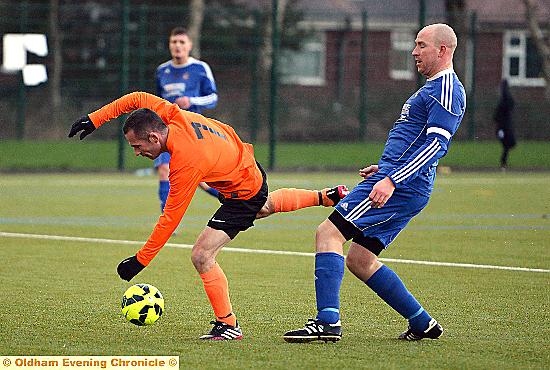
[163,158]
[356,220]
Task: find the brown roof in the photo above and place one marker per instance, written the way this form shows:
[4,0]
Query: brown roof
[507,11]
[406,11]
[378,11]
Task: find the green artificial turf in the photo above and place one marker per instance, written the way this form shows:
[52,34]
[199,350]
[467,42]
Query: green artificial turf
[62,294]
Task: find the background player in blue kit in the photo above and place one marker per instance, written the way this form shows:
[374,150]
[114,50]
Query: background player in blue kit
[392,192]
[190,84]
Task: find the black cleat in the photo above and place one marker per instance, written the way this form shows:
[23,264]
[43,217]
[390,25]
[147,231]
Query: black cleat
[315,330]
[434,331]
[223,331]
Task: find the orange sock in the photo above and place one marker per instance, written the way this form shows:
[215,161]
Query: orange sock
[291,199]
[217,289]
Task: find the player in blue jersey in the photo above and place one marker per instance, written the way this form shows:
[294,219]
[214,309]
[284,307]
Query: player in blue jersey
[190,84]
[392,192]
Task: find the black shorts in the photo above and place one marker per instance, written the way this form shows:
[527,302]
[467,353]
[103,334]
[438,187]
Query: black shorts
[350,232]
[236,215]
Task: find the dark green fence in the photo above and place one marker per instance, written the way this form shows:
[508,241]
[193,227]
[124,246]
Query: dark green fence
[107,48]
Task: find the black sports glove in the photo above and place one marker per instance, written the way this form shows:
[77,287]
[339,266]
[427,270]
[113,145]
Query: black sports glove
[83,124]
[128,268]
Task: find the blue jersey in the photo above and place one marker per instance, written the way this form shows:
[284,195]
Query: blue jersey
[193,79]
[422,133]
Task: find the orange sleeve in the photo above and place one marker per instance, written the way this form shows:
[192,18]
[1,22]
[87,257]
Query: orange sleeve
[183,184]
[184,179]
[131,102]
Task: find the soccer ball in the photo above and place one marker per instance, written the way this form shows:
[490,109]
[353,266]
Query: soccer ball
[142,304]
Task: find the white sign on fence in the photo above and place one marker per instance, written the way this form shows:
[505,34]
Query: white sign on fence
[15,51]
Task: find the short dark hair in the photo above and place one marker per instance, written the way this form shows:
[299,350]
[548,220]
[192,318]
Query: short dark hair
[143,121]
[179,31]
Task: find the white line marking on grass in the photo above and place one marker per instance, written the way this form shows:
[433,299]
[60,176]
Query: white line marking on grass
[261,251]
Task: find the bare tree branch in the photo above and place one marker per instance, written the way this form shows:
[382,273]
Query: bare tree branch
[196,8]
[542,48]
[266,52]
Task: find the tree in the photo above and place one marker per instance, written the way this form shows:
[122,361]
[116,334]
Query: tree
[196,17]
[55,50]
[457,18]
[541,44]
[233,27]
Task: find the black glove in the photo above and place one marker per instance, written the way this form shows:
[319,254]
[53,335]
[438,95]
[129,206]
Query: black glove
[129,268]
[83,124]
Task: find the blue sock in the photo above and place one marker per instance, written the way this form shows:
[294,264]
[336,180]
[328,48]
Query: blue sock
[164,189]
[329,272]
[213,192]
[391,289]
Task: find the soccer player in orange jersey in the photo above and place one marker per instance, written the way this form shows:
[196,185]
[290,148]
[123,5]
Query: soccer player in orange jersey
[201,149]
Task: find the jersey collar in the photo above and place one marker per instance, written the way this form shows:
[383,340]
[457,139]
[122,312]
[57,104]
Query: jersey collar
[190,61]
[441,73]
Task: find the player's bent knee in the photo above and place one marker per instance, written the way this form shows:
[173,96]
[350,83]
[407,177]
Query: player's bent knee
[264,212]
[199,259]
[328,238]
[362,262]
[327,230]
[357,263]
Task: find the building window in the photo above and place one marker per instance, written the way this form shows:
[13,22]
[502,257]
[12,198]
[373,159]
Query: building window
[401,60]
[305,66]
[522,64]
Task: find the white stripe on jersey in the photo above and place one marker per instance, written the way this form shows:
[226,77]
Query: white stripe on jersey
[204,100]
[359,210]
[441,131]
[418,162]
[411,144]
[208,71]
[446,98]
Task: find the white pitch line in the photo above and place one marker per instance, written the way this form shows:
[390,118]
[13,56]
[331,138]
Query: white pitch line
[262,251]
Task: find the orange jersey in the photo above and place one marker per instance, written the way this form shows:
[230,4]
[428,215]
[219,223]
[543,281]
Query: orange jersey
[201,149]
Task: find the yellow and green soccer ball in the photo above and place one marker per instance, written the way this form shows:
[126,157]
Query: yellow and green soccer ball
[142,304]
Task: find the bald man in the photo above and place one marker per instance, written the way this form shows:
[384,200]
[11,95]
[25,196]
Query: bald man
[391,194]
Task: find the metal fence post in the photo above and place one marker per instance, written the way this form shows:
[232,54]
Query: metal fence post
[363,79]
[275,40]
[255,80]
[21,108]
[22,89]
[124,70]
[472,43]
[341,45]
[421,23]
[142,41]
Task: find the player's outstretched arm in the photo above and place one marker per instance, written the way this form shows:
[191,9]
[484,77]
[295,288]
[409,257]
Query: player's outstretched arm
[83,124]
